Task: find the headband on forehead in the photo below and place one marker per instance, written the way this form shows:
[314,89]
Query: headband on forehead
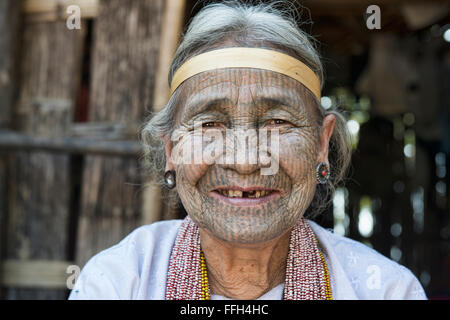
[255,58]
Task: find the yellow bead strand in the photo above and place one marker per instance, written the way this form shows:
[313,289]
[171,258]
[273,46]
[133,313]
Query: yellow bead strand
[328,292]
[204,278]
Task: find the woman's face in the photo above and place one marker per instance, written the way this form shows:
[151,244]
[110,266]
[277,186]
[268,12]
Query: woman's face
[232,198]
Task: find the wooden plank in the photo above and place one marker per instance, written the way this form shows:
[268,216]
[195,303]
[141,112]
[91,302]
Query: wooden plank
[124,60]
[10,140]
[172,26]
[9,26]
[105,138]
[105,130]
[38,206]
[173,21]
[52,10]
[50,65]
[46,274]
[39,183]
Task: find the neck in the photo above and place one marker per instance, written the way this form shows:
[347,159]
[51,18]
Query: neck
[244,271]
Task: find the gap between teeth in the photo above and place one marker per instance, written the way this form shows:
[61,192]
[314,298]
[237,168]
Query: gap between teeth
[240,194]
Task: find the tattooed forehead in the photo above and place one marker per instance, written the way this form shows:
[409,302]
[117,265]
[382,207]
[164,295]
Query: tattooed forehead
[257,91]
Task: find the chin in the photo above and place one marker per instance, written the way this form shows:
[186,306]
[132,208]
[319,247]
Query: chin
[245,228]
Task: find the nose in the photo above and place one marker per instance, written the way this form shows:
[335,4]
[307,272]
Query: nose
[244,168]
[242,155]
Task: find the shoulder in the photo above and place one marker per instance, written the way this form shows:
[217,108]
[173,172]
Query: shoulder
[364,272]
[143,244]
[132,269]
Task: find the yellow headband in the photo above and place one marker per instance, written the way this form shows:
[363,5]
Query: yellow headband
[248,58]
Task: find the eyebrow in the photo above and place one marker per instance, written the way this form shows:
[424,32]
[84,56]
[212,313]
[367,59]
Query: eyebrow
[201,103]
[282,99]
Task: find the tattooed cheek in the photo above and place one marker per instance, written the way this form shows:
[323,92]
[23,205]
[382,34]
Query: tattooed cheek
[191,199]
[187,154]
[297,160]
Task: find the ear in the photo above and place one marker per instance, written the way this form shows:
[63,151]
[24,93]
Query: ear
[170,165]
[324,137]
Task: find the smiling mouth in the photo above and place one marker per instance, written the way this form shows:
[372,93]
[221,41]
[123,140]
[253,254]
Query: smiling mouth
[244,194]
[250,196]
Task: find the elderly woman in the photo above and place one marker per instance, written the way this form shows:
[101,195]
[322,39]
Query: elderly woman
[251,154]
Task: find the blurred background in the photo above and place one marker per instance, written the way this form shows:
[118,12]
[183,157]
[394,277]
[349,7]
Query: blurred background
[73,97]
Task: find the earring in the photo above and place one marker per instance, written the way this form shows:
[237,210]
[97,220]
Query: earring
[169,179]
[322,173]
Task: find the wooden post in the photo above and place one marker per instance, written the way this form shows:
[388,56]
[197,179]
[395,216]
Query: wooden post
[9,26]
[170,36]
[124,60]
[172,27]
[39,182]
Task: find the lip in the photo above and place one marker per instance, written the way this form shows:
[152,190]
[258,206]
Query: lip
[246,202]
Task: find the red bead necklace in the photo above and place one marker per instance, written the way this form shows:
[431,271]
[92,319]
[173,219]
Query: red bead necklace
[307,276]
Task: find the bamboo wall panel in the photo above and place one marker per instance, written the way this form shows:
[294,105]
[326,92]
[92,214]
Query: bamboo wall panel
[39,182]
[126,39]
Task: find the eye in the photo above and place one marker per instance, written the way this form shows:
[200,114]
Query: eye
[211,124]
[275,122]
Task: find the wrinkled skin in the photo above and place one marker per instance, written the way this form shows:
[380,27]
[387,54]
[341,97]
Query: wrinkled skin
[249,99]
[246,246]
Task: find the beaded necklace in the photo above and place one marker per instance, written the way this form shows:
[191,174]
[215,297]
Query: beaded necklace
[307,276]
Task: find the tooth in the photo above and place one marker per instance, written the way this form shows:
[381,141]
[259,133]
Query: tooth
[234,193]
[257,194]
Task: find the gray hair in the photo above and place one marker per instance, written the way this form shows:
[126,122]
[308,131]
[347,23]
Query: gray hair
[262,25]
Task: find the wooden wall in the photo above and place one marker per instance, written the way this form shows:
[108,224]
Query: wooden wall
[72,101]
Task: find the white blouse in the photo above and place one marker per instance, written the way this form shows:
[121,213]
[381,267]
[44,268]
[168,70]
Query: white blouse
[136,268]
